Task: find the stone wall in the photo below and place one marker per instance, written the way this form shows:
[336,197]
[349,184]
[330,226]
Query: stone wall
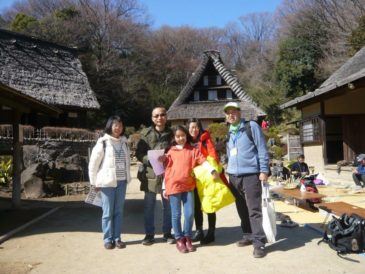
[49,164]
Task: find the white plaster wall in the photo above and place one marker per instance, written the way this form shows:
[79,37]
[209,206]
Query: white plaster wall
[311,110]
[314,157]
[351,103]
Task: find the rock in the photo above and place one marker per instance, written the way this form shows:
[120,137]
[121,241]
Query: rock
[32,184]
[30,154]
[54,163]
[33,188]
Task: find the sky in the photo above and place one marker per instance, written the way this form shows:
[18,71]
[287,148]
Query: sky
[196,13]
[204,13]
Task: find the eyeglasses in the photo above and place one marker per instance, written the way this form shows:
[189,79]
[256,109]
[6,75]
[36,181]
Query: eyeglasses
[159,115]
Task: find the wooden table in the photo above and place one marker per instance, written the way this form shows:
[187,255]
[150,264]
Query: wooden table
[296,194]
[339,208]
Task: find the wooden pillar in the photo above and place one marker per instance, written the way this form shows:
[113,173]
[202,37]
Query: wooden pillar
[17,159]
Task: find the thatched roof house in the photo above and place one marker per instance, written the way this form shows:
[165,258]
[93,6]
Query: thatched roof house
[210,87]
[333,115]
[46,71]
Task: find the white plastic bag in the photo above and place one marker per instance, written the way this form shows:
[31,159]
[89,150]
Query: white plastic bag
[268,214]
[93,197]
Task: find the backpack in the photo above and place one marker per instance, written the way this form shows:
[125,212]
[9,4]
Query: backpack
[249,131]
[345,234]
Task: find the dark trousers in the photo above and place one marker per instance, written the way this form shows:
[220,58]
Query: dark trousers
[359,179]
[198,214]
[247,191]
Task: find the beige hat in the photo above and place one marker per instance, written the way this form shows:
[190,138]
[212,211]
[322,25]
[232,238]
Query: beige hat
[231,105]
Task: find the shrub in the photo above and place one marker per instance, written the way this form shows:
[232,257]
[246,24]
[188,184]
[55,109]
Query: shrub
[218,130]
[6,169]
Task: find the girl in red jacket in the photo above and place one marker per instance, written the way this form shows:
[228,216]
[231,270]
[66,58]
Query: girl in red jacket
[180,184]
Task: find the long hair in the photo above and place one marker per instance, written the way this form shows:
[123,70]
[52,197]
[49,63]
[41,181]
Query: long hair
[199,124]
[109,124]
[183,129]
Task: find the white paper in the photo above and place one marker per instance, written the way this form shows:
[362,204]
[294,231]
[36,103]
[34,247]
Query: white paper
[153,156]
[93,197]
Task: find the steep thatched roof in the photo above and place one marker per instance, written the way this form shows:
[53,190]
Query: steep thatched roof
[182,108]
[352,70]
[45,71]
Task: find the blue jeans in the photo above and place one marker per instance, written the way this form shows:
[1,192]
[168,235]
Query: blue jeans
[149,214]
[112,205]
[187,199]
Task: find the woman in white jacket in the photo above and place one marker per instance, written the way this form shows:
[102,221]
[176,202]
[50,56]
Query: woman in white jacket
[109,172]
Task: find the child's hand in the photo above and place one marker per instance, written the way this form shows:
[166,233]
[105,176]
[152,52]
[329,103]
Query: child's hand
[215,175]
[164,195]
[162,158]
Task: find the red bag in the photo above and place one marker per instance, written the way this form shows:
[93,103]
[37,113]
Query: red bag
[310,186]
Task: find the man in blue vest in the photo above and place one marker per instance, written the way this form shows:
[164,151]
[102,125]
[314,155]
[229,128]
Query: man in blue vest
[248,164]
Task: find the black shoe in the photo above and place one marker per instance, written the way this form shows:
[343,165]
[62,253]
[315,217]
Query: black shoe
[148,240]
[198,236]
[168,238]
[209,237]
[109,245]
[119,244]
[259,252]
[244,242]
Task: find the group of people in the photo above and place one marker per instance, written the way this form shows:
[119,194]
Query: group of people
[185,148]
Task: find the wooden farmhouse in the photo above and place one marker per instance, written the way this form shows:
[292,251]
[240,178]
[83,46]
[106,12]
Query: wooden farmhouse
[49,73]
[210,87]
[333,116]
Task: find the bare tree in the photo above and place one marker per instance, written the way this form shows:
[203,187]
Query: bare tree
[337,17]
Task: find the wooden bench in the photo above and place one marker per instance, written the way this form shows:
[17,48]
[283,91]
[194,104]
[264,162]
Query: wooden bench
[339,208]
[296,194]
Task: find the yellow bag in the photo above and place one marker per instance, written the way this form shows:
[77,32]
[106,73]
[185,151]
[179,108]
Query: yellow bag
[213,194]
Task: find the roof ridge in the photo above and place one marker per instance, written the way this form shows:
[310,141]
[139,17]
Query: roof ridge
[218,64]
[36,39]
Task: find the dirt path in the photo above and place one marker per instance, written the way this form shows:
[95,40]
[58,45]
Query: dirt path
[70,241]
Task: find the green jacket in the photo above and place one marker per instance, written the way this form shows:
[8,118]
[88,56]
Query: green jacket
[152,139]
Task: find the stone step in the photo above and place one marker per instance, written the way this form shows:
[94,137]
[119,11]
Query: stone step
[342,179]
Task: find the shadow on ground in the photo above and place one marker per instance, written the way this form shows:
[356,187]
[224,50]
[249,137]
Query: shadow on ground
[76,216]
[72,216]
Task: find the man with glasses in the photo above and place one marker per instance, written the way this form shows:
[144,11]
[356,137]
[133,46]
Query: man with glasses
[158,136]
[248,164]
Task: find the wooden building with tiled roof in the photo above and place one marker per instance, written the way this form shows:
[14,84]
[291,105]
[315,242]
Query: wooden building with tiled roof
[333,116]
[49,73]
[210,87]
